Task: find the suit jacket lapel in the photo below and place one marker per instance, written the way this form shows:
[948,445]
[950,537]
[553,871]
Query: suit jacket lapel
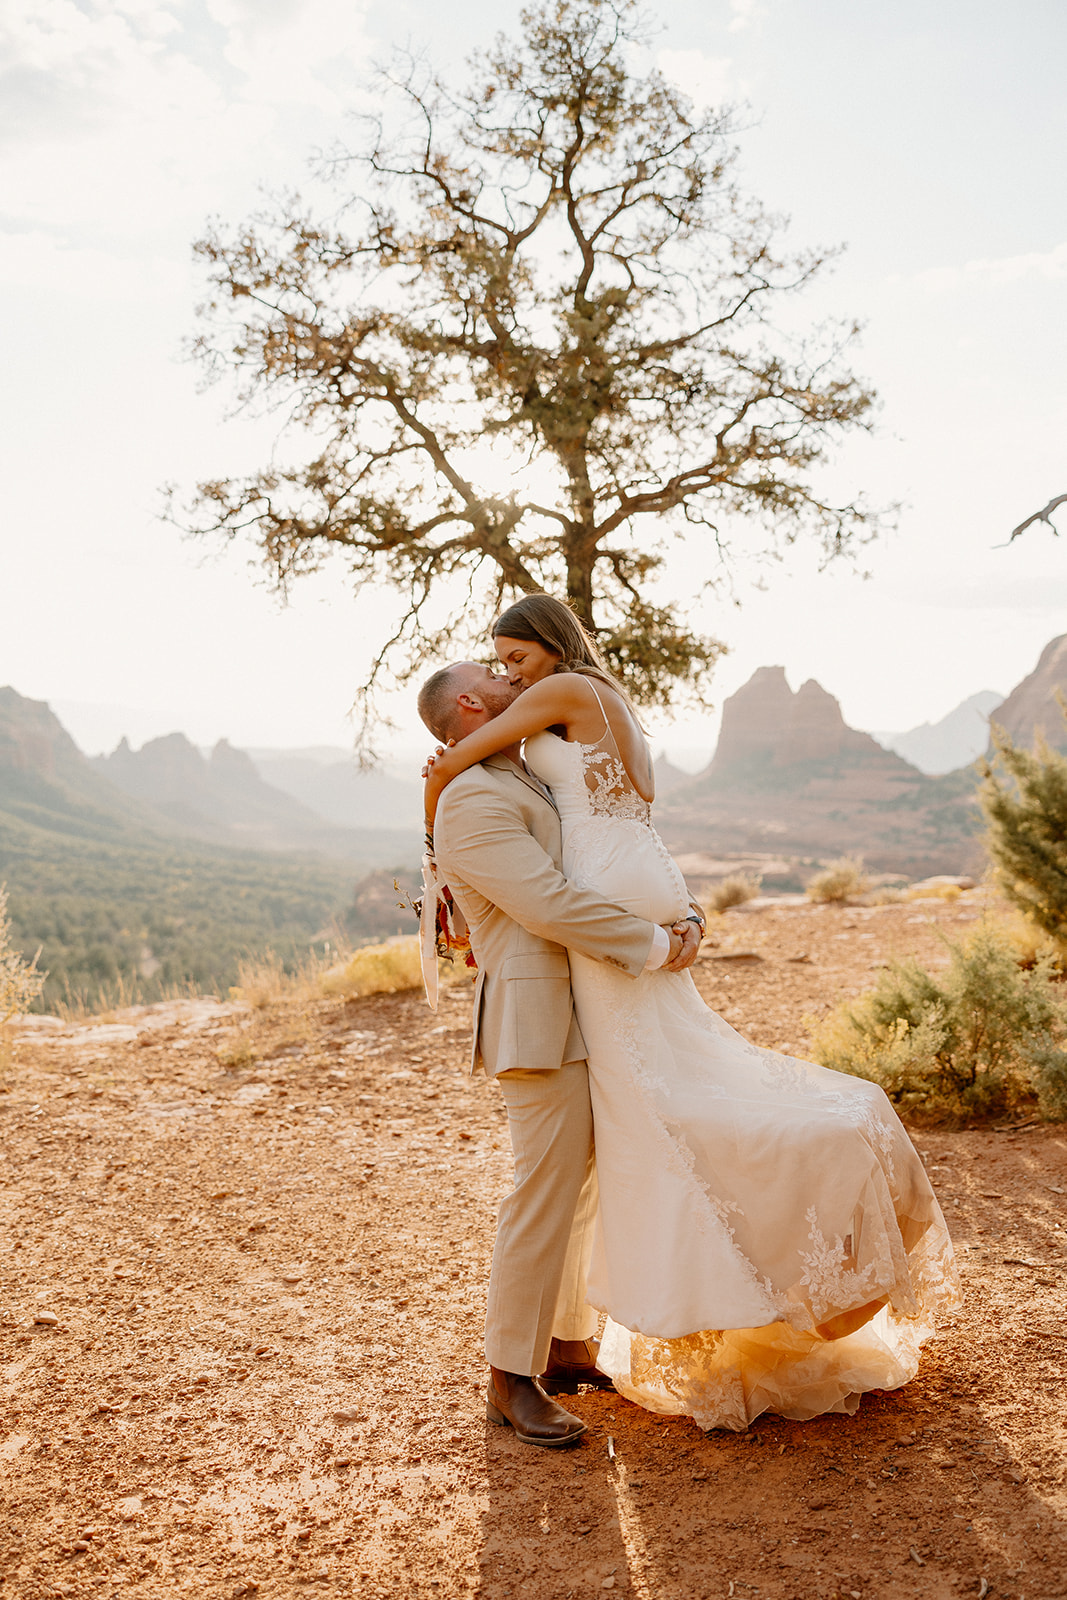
[502,764]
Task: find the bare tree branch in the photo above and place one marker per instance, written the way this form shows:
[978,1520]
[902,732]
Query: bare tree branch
[1044,515]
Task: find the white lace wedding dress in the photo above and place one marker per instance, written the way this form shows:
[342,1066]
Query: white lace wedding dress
[768,1239]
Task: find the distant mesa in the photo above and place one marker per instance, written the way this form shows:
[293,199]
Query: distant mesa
[790,777]
[766,725]
[225,797]
[32,738]
[957,740]
[225,789]
[1032,708]
[46,782]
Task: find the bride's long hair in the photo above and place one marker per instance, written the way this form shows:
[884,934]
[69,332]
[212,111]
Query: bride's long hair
[541,619]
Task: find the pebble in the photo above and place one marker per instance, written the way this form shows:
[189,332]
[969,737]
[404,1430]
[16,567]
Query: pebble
[608,1583]
[45,1319]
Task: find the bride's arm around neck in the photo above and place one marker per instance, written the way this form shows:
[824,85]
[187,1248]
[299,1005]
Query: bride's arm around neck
[554,701]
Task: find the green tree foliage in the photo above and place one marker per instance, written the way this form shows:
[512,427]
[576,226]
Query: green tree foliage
[982,1038]
[553,279]
[1024,798]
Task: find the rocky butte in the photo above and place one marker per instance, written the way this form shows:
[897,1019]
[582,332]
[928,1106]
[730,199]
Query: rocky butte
[1032,708]
[790,777]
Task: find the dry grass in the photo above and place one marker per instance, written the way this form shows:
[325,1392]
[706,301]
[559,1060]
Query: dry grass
[264,980]
[20,982]
[885,895]
[933,891]
[387,968]
[733,891]
[239,1054]
[839,881]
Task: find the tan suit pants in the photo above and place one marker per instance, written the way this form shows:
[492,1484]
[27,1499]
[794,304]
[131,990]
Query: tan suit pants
[545,1226]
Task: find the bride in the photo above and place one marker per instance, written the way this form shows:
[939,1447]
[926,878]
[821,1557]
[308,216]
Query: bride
[768,1239]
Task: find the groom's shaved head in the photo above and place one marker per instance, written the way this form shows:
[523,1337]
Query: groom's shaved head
[437,700]
[448,699]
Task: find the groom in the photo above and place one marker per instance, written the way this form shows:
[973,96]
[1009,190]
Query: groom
[498,847]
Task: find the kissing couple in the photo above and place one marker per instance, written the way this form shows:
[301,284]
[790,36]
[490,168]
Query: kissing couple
[758,1231]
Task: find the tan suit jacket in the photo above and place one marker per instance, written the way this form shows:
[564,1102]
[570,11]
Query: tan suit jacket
[498,847]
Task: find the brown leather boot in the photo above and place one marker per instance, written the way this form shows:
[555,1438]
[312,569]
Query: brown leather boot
[515,1400]
[572,1362]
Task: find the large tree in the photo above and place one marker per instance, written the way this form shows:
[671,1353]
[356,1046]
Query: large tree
[532,343]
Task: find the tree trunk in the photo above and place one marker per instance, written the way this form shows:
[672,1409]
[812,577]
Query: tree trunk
[580,582]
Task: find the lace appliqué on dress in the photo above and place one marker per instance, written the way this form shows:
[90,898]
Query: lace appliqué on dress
[830,1274]
[611,794]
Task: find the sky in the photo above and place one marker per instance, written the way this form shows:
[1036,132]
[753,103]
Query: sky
[930,140]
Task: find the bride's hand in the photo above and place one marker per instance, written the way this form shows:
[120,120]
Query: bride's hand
[439,771]
[431,760]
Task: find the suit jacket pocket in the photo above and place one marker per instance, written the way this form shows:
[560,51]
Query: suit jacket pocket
[538,1006]
[537,964]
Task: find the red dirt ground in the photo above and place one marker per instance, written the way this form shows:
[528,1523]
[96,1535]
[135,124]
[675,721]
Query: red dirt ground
[264,1239]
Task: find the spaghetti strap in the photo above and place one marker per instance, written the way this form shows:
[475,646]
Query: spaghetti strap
[603,713]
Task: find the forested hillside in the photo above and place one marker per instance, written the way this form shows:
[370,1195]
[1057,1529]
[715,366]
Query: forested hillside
[143,917]
[121,903]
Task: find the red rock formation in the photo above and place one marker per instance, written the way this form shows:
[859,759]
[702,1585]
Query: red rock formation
[790,775]
[1032,707]
[766,723]
[32,739]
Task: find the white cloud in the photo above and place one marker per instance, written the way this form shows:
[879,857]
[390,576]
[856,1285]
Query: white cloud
[291,52]
[131,116]
[1047,265]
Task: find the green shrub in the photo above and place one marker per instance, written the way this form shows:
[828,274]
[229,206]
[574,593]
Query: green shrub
[734,891]
[1024,797]
[979,1040]
[840,880]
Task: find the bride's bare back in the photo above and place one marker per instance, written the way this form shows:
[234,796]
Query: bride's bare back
[611,727]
